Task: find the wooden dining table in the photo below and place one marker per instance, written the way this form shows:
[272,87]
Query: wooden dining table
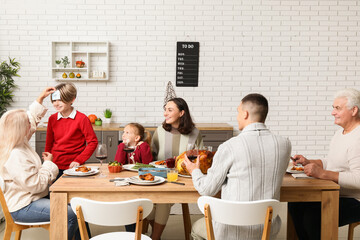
[313,190]
[101,189]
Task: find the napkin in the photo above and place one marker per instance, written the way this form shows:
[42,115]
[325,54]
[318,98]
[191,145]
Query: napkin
[121,183]
[300,175]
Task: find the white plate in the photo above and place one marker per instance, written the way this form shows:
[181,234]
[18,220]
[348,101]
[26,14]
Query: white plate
[129,167]
[136,180]
[187,176]
[72,172]
[156,165]
[288,170]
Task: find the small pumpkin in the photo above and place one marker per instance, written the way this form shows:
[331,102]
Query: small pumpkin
[92,118]
[80,64]
[78,75]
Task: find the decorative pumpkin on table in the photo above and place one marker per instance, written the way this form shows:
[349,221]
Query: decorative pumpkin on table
[206,158]
[92,118]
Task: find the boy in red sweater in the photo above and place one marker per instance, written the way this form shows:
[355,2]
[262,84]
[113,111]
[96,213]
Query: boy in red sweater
[70,137]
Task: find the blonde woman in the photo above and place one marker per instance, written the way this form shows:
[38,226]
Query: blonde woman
[26,178]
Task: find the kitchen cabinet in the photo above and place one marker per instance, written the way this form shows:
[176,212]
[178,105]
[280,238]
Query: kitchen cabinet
[95,55]
[215,138]
[213,134]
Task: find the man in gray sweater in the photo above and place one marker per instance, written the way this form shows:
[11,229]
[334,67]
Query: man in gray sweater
[247,167]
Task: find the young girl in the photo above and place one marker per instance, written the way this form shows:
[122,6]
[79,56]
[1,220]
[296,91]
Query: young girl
[135,146]
[70,137]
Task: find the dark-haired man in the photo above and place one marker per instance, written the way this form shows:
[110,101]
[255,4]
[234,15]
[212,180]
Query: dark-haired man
[247,167]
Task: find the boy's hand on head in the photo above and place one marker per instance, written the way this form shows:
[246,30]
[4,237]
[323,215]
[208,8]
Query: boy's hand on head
[74,164]
[46,92]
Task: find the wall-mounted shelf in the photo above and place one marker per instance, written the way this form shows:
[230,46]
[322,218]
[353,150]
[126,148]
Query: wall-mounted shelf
[94,54]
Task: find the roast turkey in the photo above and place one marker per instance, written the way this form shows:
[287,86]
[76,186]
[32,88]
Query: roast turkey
[205,161]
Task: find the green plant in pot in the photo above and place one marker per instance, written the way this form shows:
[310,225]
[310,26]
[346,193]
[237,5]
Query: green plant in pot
[57,63]
[107,115]
[7,83]
[65,61]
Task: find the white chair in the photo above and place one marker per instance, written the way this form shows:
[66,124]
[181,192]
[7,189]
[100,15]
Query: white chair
[112,214]
[247,213]
[12,226]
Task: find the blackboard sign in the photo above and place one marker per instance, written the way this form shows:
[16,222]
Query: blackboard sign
[187,64]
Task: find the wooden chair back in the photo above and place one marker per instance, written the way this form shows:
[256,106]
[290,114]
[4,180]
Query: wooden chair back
[10,225]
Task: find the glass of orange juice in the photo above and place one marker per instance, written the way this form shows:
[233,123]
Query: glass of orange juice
[172,175]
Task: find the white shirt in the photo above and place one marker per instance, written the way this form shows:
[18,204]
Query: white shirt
[72,115]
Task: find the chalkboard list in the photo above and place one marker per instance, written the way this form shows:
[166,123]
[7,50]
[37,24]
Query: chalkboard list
[187,64]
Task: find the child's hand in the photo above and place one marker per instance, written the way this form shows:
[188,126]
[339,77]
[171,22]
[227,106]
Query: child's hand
[46,92]
[47,156]
[74,164]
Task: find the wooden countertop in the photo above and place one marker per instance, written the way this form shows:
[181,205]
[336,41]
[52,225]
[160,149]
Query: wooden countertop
[120,127]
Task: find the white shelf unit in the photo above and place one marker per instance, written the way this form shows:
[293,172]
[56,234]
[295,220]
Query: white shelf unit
[94,54]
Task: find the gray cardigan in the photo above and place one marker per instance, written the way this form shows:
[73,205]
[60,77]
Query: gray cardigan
[247,167]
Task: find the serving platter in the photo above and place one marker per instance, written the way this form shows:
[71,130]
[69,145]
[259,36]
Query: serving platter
[130,167]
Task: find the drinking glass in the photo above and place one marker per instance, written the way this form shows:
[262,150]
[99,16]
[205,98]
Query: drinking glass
[101,155]
[129,149]
[172,175]
[192,151]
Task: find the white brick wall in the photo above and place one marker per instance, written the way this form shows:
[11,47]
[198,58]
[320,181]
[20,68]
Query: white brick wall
[297,53]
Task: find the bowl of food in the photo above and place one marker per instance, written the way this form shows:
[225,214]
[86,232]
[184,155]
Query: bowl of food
[115,167]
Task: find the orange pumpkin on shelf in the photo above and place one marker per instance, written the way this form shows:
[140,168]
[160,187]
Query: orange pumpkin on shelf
[80,64]
[92,118]
[206,158]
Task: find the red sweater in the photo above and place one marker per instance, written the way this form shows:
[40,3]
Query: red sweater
[66,139]
[142,154]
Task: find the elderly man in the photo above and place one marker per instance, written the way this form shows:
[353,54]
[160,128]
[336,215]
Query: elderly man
[342,165]
[247,167]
